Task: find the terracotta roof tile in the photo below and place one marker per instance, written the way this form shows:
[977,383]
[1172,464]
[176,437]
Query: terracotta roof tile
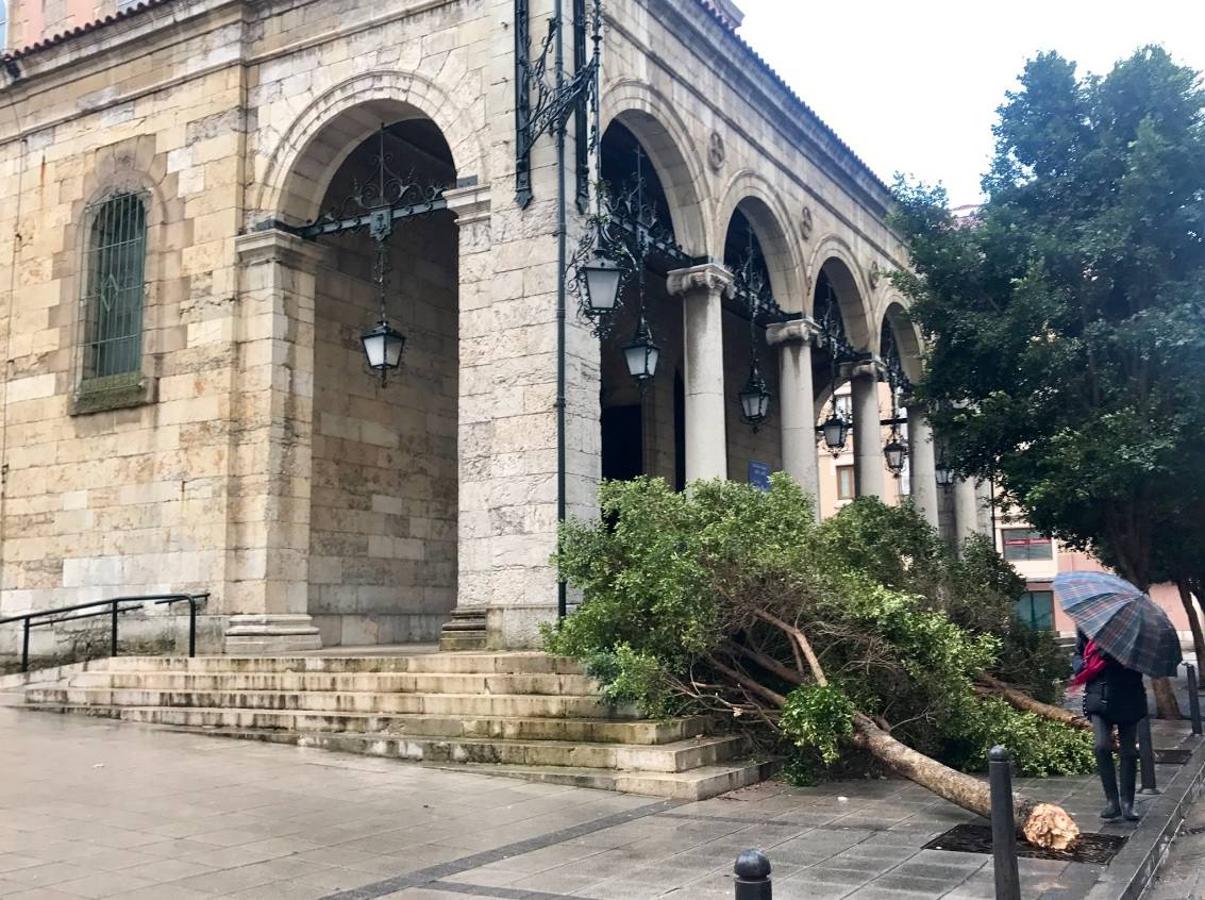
[62,36]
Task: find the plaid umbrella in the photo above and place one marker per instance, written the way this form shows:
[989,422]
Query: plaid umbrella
[1124,622]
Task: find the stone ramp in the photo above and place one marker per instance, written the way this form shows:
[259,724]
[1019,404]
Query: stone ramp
[520,715]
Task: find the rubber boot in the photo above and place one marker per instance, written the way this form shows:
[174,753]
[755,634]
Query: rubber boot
[1129,774]
[1108,780]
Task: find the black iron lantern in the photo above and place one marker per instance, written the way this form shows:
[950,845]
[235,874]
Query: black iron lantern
[895,451]
[383,346]
[642,354]
[601,279]
[754,398]
[944,474]
[834,431]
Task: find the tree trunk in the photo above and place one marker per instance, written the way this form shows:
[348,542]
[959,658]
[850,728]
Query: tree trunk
[1043,824]
[1166,704]
[1190,610]
[1022,701]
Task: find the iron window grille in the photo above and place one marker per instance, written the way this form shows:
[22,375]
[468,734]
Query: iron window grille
[114,290]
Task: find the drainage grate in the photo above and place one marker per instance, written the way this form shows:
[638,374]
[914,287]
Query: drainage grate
[1177,757]
[1087,848]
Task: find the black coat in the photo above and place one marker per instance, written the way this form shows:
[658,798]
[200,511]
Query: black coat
[1117,694]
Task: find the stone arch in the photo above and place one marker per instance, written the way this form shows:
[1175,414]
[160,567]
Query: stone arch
[755,198]
[907,338]
[665,138]
[835,258]
[325,132]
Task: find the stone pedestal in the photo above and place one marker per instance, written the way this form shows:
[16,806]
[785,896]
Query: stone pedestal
[255,635]
[702,289]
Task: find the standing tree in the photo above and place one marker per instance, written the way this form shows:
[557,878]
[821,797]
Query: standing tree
[1066,319]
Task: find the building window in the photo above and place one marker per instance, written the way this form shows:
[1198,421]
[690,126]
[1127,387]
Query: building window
[114,285]
[845,407]
[1025,545]
[845,482]
[1036,609]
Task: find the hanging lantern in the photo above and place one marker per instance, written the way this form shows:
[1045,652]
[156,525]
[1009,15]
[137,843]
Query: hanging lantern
[834,430]
[642,354]
[383,348]
[754,398]
[944,474]
[896,453]
[601,278]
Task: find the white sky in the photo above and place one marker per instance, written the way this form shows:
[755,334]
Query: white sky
[913,85]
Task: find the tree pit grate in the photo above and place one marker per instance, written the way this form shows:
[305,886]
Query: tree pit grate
[1087,848]
[1170,757]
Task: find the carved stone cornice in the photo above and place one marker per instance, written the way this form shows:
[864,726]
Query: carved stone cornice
[797,331]
[872,367]
[470,204]
[274,245]
[709,279]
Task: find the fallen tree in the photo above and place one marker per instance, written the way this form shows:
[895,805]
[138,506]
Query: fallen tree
[732,599]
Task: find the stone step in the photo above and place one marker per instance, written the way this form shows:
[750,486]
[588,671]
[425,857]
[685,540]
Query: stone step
[319,702]
[696,784]
[678,756]
[640,732]
[429,663]
[379,682]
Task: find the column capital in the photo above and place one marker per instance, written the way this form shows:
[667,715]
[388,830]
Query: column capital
[797,331]
[872,367]
[710,277]
[275,245]
[469,204]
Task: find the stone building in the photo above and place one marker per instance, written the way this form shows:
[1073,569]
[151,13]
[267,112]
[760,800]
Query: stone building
[186,404]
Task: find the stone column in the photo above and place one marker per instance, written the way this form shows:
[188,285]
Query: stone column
[868,430]
[267,571]
[794,343]
[922,464]
[966,510]
[702,289]
[466,629]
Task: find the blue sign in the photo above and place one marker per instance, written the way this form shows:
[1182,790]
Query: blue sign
[759,475]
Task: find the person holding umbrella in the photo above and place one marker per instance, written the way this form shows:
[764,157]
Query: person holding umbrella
[1121,634]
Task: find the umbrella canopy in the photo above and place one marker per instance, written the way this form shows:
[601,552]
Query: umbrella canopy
[1124,622]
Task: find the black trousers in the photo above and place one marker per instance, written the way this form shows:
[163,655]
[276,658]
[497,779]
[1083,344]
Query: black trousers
[1102,738]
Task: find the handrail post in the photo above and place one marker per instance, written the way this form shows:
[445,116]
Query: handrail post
[25,648]
[113,629]
[192,626]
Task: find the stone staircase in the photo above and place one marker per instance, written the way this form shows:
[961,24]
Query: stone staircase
[525,715]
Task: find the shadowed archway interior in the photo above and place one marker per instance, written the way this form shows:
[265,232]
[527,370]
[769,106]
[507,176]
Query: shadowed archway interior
[383,520]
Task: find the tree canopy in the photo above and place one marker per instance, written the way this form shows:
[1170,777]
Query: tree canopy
[1066,318]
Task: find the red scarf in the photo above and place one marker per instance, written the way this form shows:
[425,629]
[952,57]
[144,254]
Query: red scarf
[1094,664]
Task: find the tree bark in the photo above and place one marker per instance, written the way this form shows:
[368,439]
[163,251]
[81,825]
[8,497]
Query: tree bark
[1043,824]
[1022,701]
[1166,704]
[1190,610]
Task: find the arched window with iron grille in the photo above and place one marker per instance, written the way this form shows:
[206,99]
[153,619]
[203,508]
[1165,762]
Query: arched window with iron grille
[114,288]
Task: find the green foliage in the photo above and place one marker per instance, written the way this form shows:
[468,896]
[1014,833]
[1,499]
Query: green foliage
[817,718]
[1066,321]
[674,585]
[1039,746]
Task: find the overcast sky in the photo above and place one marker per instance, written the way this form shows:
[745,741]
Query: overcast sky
[914,86]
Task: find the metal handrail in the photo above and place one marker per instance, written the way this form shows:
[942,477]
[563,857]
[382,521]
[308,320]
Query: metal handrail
[113,608]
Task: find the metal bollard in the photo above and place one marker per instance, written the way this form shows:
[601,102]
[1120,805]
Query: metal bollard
[753,876]
[1004,825]
[1146,753]
[1194,700]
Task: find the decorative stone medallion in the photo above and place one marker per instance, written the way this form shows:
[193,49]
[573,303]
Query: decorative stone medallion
[806,223]
[716,153]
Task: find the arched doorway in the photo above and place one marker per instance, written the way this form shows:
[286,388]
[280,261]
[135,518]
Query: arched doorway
[641,422]
[383,511]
